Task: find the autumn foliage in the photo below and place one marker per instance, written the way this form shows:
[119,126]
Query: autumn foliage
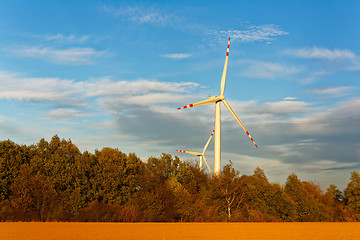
[54,181]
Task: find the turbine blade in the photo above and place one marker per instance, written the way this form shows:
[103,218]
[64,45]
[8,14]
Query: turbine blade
[188,152]
[223,77]
[207,143]
[207,164]
[203,102]
[236,117]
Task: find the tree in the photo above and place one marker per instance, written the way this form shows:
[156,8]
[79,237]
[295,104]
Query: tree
[182,199]
[118,176]
[33,195]
[352,195]
[295,189]
[156,196]
[226,191]
[82,190]
[12,156]
[335,193]
[307,199]
[265,201]
[54,181]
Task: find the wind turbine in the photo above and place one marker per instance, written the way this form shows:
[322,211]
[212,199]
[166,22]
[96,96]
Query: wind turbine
[217,100]
[201,155]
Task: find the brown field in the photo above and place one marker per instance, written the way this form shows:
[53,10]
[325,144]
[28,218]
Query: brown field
[170,231]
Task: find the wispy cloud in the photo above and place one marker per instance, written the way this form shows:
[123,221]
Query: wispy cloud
[323,165]
[337,120]
[141,91]
[107,87]
[321,53]
[332,91]
[176,55]
[260,69]
[70,56]
[71,38]
[140,108]
[253,33]
[64,113]
[142,15]
[286,107]
[56,90]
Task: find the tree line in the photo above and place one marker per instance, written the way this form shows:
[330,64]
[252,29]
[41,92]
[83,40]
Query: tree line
[54,181]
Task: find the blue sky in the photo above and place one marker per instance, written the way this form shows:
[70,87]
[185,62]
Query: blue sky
[112,73]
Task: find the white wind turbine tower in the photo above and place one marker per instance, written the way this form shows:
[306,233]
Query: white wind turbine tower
[217,100]
[201,155]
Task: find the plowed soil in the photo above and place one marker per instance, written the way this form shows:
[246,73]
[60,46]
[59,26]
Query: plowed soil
[172,231]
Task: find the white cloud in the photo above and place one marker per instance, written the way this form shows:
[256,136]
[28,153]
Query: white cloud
[138,92]
[322,165]
[259,69]
[115,97]
[106,87]
[337,120]
[285,107]
[332,91]
[62,113]
[41,89]
[355,66]
[66,38]
[321,53]
[254,33]
[2,119]
[290,98]
[70,56]
[176,55]
[142,15]
[155,98]
[247,164]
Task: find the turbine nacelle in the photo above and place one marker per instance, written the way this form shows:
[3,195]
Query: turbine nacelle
[217,98]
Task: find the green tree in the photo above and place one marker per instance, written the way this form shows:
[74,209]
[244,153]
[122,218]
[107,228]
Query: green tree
[33,195]
[12,156]
[307,198]
[118,177]
[83,190]
[182,199]
[352,195]
[226,191]
[265,201]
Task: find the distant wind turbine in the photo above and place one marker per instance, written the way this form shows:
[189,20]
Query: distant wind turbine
[201,155]
[217,100]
